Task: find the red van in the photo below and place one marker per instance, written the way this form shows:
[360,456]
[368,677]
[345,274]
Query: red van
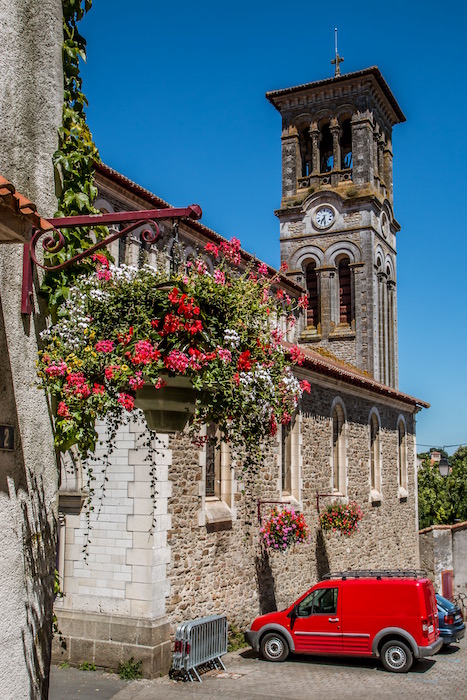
[387,614]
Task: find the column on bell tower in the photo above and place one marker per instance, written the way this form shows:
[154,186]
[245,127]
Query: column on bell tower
[315,138]
[335,129]
[363,148]
[291,160]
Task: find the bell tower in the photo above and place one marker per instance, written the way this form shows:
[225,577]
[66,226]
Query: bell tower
[337,225]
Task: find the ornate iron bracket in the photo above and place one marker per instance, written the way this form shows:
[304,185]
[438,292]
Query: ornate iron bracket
[54,240]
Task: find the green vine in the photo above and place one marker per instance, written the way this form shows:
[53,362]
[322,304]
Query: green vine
[74,162]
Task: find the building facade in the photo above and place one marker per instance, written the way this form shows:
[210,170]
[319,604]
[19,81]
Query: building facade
[186,545]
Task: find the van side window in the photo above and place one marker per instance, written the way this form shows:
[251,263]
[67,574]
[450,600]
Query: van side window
[323,601]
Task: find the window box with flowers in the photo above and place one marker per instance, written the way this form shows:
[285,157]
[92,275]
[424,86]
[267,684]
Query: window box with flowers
[126,335]
[282,529]
[341,517]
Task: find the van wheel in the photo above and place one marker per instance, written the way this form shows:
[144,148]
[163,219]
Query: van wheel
[273,647]
[396,657]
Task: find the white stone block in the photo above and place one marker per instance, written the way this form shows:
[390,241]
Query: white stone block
[138,591]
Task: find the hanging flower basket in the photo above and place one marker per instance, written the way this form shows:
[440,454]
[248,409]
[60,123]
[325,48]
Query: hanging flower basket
[167,409]
[341,517]
[199,345]
[283,529]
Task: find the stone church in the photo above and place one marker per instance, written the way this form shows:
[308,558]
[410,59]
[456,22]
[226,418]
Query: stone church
[353,437]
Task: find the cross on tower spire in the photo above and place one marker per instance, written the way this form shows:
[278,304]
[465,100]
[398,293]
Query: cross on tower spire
[338,59]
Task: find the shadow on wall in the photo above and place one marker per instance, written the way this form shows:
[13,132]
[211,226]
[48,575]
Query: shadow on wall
[39,541]
[33,537]
[322,560]
[266,585]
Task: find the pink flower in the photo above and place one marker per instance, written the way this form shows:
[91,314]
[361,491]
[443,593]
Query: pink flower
[297,355]
[57,370]
[263,269]
[305,386]
[177,361]
[98,389]
[62,410]
[159,383]
[303,302]
[136,382]
[219,277]
[212,248]
[101,259]
[144,353]
[126,401]
[224,355]
[77,385]
[110,371]
[105,346]
[104,274]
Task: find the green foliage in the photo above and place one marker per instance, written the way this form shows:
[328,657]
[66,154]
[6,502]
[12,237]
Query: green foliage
[64,664]
[74,161]
[236,639]
[87,666]
[130,670]
[443,500]
[123,328]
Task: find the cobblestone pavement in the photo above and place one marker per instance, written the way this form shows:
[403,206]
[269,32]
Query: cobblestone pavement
[442,677]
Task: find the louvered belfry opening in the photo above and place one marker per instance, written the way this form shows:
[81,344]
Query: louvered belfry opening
[345,293]
[312,314]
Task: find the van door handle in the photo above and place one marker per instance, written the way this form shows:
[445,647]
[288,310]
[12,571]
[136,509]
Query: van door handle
[333,619]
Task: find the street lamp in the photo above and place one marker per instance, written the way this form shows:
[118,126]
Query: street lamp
[443,466]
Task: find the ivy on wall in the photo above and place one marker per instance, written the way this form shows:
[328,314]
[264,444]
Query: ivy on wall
[74,161]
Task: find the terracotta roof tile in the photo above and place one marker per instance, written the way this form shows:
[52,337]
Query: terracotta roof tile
[21,205]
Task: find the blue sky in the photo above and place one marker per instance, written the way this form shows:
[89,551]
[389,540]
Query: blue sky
[176,93]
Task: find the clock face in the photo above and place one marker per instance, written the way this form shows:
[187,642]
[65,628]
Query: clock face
[324,217]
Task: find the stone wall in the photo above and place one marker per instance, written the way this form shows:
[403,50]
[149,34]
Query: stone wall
[444,548]
[225,572]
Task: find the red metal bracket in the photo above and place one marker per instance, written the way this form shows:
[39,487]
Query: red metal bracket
[54,240]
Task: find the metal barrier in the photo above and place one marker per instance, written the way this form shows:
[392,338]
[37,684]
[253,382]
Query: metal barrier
[198,643]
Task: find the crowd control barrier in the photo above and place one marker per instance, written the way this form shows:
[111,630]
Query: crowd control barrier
[199,643]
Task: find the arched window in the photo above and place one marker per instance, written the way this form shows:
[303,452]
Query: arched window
[286,459]
[375,458]
[346,145]
[402,459]
[338,450]
[312,314]
[306,151]
[345,292]
[213,462]
[326,150]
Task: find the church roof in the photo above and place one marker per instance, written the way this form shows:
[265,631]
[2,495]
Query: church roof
[272,95]
[159,203]
[336,369]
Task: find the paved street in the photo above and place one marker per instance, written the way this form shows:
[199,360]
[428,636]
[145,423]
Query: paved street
[443,677]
